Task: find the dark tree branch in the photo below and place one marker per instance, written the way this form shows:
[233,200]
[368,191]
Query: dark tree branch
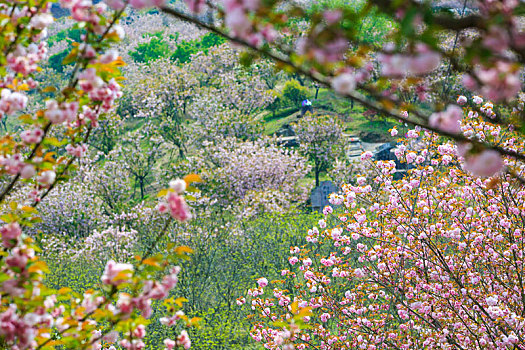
[358,97]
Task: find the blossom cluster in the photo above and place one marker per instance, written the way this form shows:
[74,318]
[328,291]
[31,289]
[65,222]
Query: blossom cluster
[174,203]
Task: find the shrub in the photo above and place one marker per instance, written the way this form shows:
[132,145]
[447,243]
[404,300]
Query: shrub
[294,92]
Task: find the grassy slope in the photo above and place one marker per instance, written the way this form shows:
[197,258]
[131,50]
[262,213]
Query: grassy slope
[328,103]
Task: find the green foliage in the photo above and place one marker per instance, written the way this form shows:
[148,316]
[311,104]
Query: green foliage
[319,6]
[71,34]
[226,262]
[212,39]
[283,117]
[55,61]
[154,49]
[319,138]
[76,275]
[371,27]
[374,29]
[276,103]
[158,48]
[294,92]
[186,49]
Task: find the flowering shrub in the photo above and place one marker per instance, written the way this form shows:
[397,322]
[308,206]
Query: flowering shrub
[344,172]
[208,98]
[229,97]
[109,182]
[251,176]
[110,244]
[429,261]
[71,210]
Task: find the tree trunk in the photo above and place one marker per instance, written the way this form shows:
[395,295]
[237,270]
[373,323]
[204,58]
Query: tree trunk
[141,183]
[134,187]
[317,171]
[299,79]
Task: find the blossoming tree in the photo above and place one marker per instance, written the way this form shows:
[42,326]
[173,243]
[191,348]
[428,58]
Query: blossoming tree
[248,178]
[320,140]
[433,260]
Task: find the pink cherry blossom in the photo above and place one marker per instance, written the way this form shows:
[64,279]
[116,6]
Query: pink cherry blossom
[487,163]
[332,16]
[178,185]
[461,100]
[77,151]
[116,4]
[238,22]
[177,206]
[32,136]
[41,20]
[140,4]
[366,155]
[424,62]
[477,100]
[28,171]
[325,317]
[184,340]
[195,6]
[448,120]
[47,177]
[10,233]
[117,273]
[394,132]
[11,102]
[262,282]
[344,83]
[169,344]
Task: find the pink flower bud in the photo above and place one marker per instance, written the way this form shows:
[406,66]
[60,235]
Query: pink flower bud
[47,177]
[10,233]
[27,172]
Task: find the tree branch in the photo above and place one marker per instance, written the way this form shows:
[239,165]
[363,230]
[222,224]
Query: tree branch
[326,81]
